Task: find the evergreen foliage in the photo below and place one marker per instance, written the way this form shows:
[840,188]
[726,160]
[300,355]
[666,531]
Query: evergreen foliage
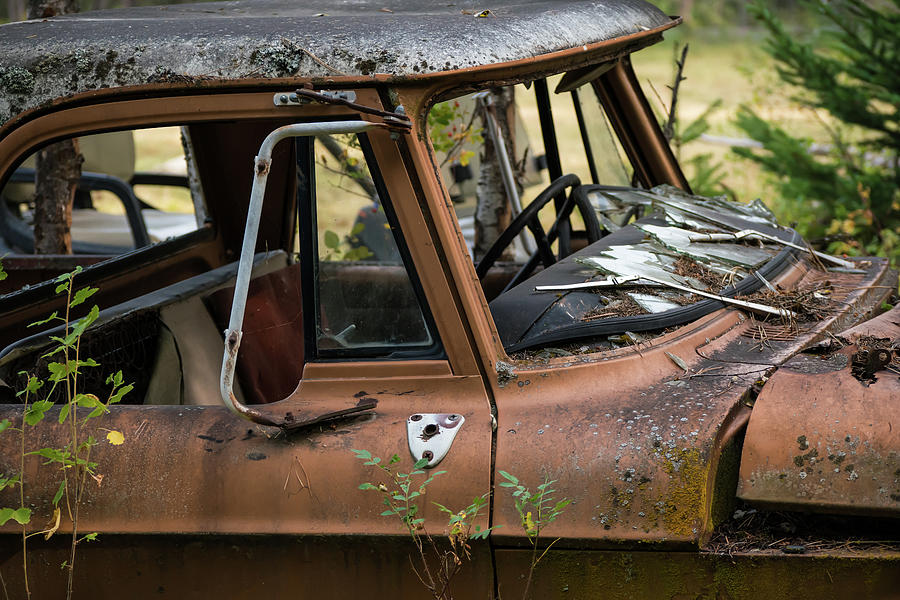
[851,196]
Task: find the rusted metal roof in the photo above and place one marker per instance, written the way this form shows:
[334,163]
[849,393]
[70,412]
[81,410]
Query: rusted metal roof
[52,58]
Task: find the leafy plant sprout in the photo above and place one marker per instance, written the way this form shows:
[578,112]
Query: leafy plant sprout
[401,494]
[74,458]
[536,510]
[452,131]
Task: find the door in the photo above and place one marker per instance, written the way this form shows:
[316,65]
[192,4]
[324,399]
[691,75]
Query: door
[197,502]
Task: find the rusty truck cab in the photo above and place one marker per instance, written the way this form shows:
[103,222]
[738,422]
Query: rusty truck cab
[362,313]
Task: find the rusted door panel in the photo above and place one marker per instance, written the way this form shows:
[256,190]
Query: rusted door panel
[689,575]
[202,469]
[192,567]
[191,470]
[821,440]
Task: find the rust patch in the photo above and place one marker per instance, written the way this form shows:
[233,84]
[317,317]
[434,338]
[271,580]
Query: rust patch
[262,167]
[823,442]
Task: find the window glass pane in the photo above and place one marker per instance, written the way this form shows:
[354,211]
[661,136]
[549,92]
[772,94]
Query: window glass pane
[608,155]
[368,305]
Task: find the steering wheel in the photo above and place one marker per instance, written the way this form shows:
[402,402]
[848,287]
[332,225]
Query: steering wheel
[528,218]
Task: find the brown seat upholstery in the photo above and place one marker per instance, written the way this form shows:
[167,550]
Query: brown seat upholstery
[270,360]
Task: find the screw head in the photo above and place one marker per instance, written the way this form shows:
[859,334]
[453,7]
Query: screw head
[416,418]
[283,99]
[428,454]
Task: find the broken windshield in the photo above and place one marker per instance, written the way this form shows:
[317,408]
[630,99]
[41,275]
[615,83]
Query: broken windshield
[688,257]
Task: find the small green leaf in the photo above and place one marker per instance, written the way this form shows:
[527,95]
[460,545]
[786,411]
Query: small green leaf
[6,482]
[58,371]
[52,316]
[53,455]
[362,454]
[116,379]
[509,477]
[33,385]
[21,515]
[120,393]
[82,295]
[64,413]
[86,321]
[332,240]
[357,229]
[4,424]
[420,463]
[87,400]
[59,493]
[67,342]
[89,537]
[56,350]
[387,513]
[62,287]
[35,413]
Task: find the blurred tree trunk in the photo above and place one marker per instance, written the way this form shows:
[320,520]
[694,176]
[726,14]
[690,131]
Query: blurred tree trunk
[57,170]
[41,9]
[492,212]
[15,9]
[56,176]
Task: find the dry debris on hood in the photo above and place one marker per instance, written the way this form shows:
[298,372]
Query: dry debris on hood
[873,355]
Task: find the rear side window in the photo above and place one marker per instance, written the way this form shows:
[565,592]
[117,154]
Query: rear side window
[134,190]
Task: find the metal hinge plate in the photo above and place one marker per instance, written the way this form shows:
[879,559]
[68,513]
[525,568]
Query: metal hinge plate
[431,434]
[294,99]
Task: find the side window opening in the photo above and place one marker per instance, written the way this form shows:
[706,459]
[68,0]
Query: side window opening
[133,191]
[345,292]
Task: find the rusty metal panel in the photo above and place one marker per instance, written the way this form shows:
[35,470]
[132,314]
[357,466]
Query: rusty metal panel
[821,440]
[689,575]
[186,469]
[201,567]
[644,449]
[633,440]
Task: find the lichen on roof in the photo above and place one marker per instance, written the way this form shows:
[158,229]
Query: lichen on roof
[52,58]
